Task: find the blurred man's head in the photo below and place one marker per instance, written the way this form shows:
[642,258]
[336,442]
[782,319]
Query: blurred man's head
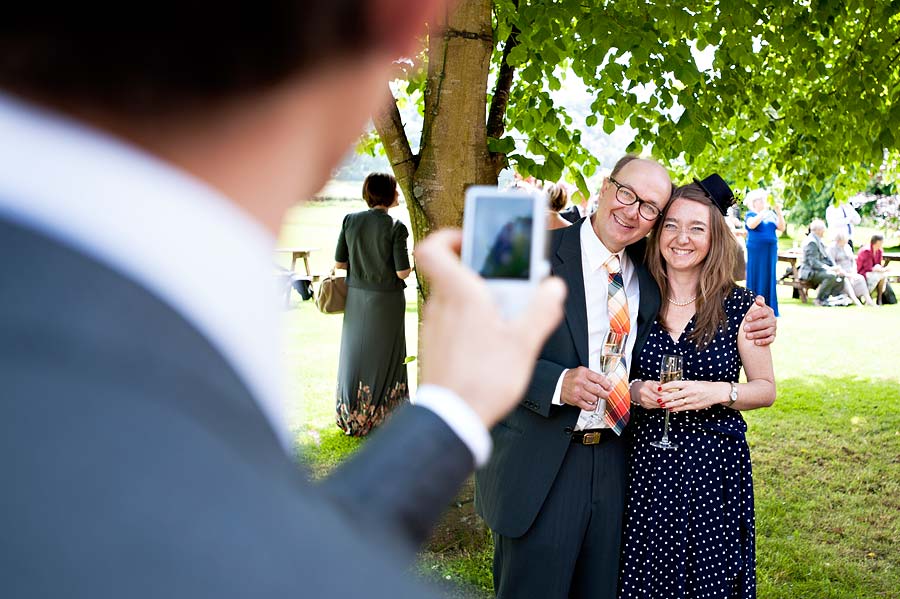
[630,201]
[817,227]
[876,242]
[260,99]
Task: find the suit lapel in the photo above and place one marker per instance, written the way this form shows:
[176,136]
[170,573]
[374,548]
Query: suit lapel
[566,263]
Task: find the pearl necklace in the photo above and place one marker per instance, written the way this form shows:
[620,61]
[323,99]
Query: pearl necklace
[682,304]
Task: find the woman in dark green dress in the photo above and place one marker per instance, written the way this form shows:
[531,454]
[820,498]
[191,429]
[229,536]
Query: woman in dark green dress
[372,370]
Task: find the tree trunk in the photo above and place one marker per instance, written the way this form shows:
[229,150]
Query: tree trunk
[453,153]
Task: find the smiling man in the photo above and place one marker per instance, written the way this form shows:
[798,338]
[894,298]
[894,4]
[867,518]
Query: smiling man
[554,491]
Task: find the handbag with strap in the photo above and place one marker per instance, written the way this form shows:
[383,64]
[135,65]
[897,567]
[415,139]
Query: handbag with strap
[332,296]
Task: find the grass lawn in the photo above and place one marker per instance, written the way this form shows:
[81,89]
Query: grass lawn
[826,456]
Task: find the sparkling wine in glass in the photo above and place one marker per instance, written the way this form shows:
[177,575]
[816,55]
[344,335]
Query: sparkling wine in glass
[610,355]
[670,370]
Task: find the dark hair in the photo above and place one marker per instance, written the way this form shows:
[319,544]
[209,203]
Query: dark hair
[169,57]
[379,189]
[875,239]
[558,196]
[716,279]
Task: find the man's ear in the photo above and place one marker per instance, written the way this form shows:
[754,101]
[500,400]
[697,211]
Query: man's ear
[398,24]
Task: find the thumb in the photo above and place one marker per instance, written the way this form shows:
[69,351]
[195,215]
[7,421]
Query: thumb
[543,313]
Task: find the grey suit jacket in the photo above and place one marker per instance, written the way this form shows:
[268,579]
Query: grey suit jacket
[530,444]
[815,259]
[137,464]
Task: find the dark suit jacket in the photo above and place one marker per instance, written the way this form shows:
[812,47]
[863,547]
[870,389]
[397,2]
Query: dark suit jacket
[530,444]
[137,464]
[571,214]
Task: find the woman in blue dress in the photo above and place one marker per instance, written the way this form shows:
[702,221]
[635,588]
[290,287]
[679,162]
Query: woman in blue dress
[763,225]
[689,523]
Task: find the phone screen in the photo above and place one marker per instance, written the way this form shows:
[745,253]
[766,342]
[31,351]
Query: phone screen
[502,237]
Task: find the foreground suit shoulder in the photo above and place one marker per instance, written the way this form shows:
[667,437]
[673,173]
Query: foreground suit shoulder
[140,466]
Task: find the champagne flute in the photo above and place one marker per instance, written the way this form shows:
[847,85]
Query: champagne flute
[670,370]
[610,355]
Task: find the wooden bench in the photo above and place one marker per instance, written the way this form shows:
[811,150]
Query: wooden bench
[801,288]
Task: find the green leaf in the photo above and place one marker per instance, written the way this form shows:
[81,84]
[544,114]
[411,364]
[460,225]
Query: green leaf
[609,125]
[504,145]
[591,120]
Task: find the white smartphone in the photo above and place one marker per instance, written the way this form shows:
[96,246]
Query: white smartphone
[505,241]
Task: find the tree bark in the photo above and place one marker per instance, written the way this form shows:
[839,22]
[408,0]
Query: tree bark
[454,151]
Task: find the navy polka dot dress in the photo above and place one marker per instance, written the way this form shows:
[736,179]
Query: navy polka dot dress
[689,526]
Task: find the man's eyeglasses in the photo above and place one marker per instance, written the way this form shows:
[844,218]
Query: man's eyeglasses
[627,197]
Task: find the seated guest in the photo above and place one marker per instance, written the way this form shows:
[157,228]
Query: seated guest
[869,263]
[558,197]
[854,284]
[817,269]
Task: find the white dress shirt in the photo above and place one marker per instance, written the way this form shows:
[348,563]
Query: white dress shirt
[842,218]
[174,235]
[596,293]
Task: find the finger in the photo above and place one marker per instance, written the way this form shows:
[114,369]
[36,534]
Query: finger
[543,313]
[672,387]
[586,402]
[759,302]
[674,395]
[598,379]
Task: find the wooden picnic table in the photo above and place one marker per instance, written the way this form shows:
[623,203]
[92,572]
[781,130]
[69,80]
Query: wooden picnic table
[296,254]
[888,256]
[792,278]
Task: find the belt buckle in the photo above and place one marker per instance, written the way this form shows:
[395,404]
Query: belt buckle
[592,438]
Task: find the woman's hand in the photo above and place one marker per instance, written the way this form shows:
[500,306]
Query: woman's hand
[645,394]
[680,396]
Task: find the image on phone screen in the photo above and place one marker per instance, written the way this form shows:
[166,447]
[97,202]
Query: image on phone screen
[502,235]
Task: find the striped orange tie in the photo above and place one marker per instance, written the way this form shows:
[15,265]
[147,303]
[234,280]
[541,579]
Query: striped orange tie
[617,406]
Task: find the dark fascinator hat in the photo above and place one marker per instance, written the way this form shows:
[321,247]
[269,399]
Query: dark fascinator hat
[718,191]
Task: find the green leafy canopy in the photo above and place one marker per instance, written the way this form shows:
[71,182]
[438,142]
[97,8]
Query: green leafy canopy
[800,92]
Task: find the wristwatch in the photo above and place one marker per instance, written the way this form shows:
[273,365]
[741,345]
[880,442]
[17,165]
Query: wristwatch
[732,397]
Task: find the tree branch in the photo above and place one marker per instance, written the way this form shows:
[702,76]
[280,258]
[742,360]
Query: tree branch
[396,145]
[496,124]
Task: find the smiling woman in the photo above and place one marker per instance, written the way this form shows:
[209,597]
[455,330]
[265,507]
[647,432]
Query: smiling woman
[691,256]
[689,527]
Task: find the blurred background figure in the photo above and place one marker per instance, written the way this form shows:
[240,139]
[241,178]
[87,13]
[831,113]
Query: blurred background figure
[573,212]
[733,219]
[372,378]
[558,197]
[763,225]
[869,263]
[842,218]
[855,285]
[817,268]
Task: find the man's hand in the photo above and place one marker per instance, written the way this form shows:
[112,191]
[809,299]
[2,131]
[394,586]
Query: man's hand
[583,388]
[466,346]
[760,323]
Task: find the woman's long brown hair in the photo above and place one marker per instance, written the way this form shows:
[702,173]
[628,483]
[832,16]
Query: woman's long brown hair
[716,278]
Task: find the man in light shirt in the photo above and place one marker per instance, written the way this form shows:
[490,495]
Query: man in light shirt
[144,173]
[842,218]
[553,491]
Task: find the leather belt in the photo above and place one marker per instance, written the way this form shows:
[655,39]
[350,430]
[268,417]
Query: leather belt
[592,437]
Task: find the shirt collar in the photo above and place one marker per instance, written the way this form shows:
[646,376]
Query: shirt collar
[155,224]
[593,249]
